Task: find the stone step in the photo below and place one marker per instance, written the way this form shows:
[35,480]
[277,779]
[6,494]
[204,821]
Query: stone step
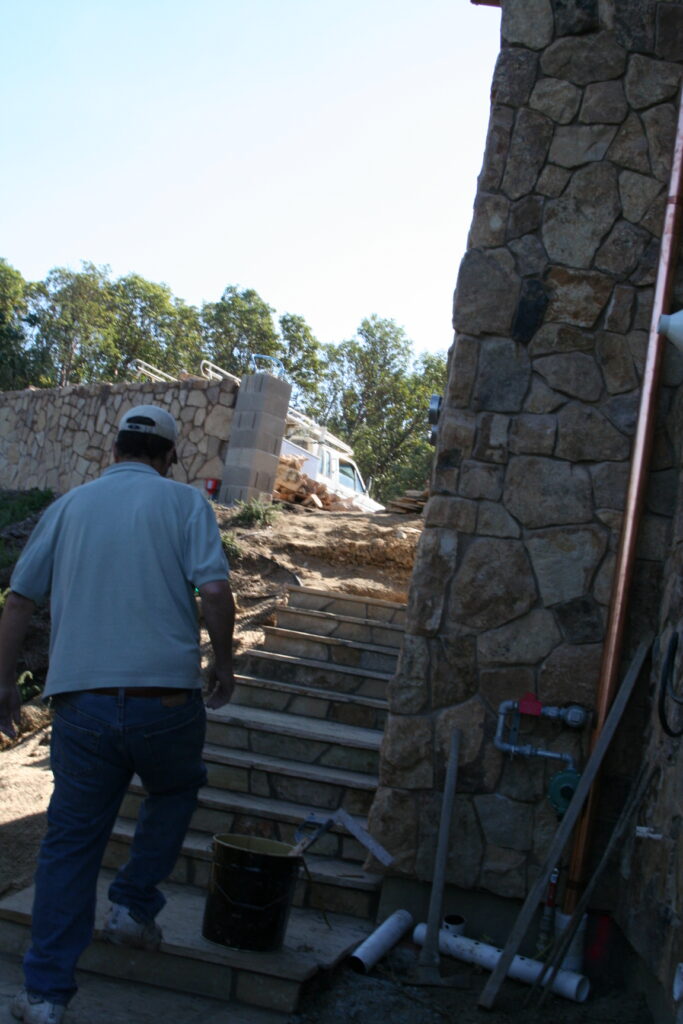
[327,884]
[315,785]
[309,672]
[187,962]
[122,1001]
[221,810]
[367,712]
[295,737]
[368,631]
[340,603]
[330,649]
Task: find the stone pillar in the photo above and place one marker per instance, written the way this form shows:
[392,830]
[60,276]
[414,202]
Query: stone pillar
[513,573]
[258,427]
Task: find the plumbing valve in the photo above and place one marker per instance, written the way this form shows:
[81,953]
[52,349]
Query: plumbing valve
[575,716]
[529,704]
[561,789]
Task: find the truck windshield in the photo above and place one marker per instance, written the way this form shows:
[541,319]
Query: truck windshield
[349,475]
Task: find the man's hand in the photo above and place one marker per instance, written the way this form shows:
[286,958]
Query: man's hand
[14,623]
[10,709]
[218,608]
[221,687]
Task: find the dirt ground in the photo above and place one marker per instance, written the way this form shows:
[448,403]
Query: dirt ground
[363,554]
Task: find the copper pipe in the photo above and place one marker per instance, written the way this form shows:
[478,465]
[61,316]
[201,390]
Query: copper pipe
[640,458]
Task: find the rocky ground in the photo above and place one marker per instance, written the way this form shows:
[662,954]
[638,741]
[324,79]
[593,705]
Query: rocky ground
[368,554]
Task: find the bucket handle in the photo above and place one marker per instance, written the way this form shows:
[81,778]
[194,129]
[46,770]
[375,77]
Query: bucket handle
[247,906]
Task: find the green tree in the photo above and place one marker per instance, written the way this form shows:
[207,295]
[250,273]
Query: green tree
[302,357]
[377,400]
[150,324]
[70,320]
[237,327]
[185,341]
[15,362]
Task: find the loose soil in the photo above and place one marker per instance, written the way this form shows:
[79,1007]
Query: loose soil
[363,554]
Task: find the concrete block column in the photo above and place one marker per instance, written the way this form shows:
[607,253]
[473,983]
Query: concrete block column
[254,450]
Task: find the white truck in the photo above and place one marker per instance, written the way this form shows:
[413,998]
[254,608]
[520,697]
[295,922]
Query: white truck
[327,459]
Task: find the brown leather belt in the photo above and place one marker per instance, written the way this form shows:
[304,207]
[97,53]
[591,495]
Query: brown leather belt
[140,691]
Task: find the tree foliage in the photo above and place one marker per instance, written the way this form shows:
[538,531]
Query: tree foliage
[78,326]
[69,322]
[237,327]
[377,400]
[303,359]
[15,368]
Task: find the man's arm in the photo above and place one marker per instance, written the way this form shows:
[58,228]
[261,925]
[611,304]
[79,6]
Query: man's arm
[218,607]
[14,623]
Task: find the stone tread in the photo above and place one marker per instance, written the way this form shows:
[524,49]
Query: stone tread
[329,870]
[343,596]
[314,613]
[329,641]
[326,666]
[251,805]
[301,690]
[284,724]
[309,943]
[216,753]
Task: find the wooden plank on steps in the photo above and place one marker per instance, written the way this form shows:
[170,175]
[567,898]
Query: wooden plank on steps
[311,691]
[299,769]
[330,641]
[297,725]
[326,666]
[343,595]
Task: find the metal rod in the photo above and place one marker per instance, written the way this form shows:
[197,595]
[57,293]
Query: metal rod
[429,954]
[640,458]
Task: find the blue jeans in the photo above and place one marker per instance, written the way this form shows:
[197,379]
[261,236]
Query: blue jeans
[98,743]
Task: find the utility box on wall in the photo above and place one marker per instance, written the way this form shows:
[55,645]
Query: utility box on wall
[258,428]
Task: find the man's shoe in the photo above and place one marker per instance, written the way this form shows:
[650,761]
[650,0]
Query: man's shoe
[121,928]
[35,1010]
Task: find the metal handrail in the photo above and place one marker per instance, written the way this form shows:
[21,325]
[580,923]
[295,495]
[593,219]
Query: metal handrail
[211,371]
[272,360]
[153,372]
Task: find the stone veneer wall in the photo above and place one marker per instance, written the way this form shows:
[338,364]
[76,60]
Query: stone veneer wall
[62,437]
[552,308]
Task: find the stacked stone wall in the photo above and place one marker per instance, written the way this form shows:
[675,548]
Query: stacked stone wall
[552,311]
[59,438]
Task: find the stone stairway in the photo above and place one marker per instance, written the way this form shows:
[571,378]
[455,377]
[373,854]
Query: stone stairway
[301,735]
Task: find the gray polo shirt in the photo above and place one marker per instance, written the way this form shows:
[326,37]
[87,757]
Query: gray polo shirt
[120,558]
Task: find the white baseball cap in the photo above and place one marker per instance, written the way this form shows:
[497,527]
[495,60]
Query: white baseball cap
[150,419]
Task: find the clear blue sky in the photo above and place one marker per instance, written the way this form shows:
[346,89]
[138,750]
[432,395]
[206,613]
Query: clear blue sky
[323,152]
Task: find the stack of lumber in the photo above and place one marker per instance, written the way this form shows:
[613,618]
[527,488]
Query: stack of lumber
[410,502]
[293,485]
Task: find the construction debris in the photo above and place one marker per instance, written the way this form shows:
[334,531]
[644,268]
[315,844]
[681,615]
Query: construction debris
[296,487]
[410,502]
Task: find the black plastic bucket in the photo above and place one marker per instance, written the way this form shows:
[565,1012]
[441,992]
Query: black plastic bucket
[250,892]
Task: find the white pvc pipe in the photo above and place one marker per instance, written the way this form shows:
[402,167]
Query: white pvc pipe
[381,940]
[566,983]
[573,957]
